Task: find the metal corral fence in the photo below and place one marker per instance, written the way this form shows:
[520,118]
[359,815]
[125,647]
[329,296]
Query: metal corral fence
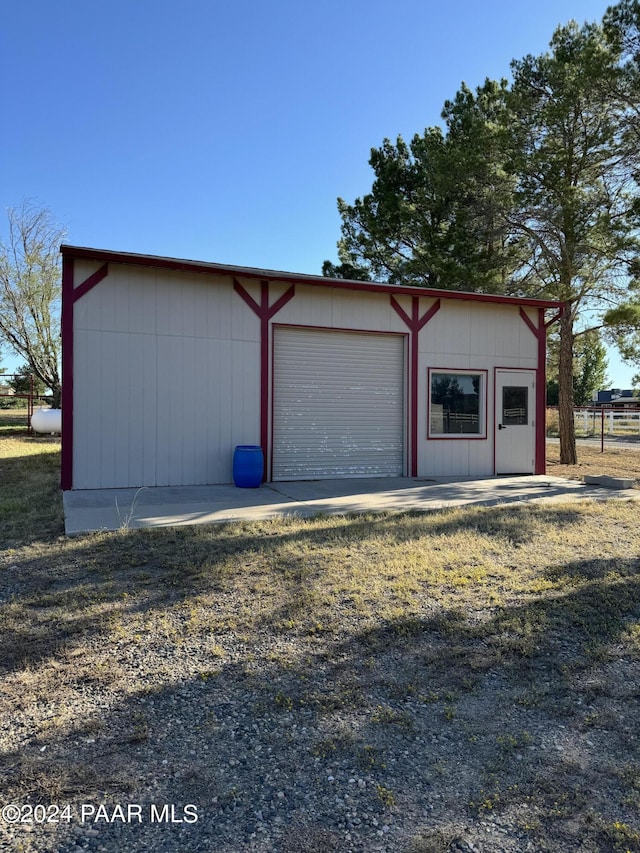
[603,423]
[16,409]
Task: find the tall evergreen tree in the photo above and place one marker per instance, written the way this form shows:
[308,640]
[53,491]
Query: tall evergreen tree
[575,191]
[530,188]
[589,367]
[397,232]
[622,28]
[435,213]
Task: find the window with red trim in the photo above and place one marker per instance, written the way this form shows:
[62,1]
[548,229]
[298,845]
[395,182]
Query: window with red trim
[456,403]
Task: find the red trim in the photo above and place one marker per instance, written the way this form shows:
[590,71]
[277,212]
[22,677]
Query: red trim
[540,332]
[338,329]
[281,302]
[90,282]
[555,318]
[66,466]
[247,298]
[264,313]
[70,296]
[458,436]
[415,323]
[264,373]
[292,278]
[541,395]
[529,322]
[274,326]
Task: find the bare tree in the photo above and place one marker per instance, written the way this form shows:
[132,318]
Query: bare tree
[30,291]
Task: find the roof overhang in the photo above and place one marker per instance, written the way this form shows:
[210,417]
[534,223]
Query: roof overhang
[203,267]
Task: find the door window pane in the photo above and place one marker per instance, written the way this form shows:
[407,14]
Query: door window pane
[515,402]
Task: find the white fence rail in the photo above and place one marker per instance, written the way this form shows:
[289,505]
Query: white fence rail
[594,421]
[597,421]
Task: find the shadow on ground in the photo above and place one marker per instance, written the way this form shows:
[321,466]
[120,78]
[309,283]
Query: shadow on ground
[501,727]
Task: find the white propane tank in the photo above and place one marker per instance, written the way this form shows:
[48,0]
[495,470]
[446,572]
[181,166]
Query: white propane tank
[47,420]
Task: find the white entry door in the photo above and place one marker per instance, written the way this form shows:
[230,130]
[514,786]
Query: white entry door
[515,421]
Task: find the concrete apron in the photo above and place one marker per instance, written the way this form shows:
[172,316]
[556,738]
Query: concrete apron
[113,509]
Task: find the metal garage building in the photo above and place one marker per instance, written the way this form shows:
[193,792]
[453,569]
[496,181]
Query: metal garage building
[169,364]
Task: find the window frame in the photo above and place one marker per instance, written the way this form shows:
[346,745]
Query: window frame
[483,403]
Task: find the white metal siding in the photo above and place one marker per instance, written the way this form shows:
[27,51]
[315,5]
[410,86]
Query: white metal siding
[468,336]
[166,379]
[343,309]
[338,404]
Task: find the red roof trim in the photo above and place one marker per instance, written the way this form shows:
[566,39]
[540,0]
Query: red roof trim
[158,262]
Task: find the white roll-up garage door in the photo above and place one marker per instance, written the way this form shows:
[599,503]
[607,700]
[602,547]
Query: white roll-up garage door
[338,404]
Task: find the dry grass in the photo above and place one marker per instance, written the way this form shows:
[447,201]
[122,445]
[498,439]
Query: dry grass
[13,421]
[615,461]
[314,577]
[546,597]
[30,501]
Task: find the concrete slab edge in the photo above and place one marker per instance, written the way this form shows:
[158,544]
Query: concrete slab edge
[609,482]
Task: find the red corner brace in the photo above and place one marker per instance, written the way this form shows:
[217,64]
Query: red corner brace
[415,323]
[265,314]
[70,296]
[540,332]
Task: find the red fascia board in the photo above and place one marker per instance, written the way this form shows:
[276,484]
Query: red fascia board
[83,253]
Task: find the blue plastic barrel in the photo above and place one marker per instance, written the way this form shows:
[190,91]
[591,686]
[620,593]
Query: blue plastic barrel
[248,463]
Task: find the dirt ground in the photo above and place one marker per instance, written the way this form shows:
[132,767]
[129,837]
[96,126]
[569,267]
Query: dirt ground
[616,461]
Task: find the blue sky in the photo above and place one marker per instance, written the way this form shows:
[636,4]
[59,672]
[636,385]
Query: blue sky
[224,130]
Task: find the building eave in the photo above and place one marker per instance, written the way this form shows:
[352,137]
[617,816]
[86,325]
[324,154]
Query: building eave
[207,268]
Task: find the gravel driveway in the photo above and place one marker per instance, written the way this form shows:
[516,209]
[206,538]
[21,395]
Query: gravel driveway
[259,688]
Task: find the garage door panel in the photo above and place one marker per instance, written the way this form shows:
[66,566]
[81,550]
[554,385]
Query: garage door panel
[338,404]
